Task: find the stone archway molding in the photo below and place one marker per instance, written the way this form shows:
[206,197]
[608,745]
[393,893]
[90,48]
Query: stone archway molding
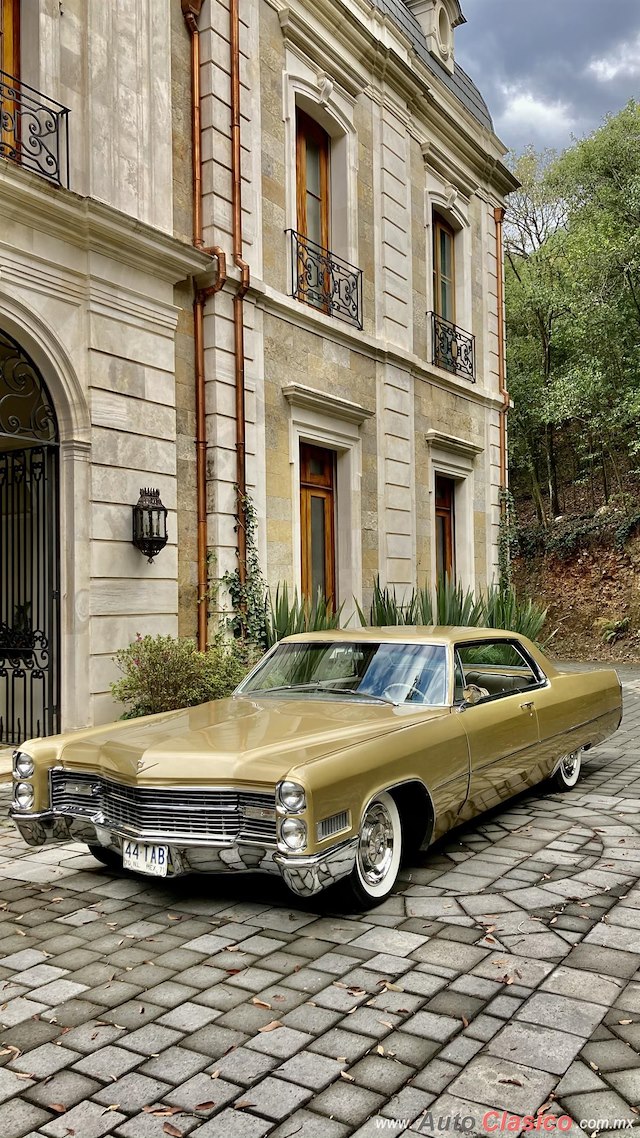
[41,344]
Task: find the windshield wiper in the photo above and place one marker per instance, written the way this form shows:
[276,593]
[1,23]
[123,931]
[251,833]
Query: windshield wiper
[357,694]
[319,685]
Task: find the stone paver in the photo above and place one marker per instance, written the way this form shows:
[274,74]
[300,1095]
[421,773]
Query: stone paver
[503,973]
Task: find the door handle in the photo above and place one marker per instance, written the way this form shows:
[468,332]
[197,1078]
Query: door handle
[527,706]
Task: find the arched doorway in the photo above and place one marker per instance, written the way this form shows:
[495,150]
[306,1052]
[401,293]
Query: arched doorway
[29,550]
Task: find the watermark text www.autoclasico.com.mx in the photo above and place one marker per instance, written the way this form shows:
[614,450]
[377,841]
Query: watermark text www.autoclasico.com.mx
[497,1121]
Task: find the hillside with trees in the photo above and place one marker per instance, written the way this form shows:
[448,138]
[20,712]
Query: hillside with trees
[572,265]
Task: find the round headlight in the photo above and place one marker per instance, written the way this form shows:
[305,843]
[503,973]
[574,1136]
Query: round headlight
[293,832]
[23,795]
[23,765]
[292,797]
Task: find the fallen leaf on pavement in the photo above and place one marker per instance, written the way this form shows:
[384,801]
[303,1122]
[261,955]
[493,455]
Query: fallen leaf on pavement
[57,1106]
[243,1102]
[347,1076]
[205,1105]
[172,1130]
[275,1023]
[261,1003]
[511,1082]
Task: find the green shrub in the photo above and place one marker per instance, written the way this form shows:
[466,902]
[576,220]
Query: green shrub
[574,534]
[162,673]
[288,615]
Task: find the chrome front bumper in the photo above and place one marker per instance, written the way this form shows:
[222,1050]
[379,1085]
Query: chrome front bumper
[303,875]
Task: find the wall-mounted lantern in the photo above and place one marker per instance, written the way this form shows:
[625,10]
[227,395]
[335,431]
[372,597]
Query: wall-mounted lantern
[149,523]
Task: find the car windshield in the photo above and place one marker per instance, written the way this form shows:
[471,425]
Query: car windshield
[391,673]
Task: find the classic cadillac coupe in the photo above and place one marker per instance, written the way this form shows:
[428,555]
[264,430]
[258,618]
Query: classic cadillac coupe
[338,754]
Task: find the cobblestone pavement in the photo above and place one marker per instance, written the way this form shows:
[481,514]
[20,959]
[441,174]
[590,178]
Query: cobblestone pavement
[505,975]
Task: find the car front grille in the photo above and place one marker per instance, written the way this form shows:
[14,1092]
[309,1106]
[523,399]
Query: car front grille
[212,814]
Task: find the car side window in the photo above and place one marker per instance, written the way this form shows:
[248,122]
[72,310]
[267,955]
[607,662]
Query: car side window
[499,667]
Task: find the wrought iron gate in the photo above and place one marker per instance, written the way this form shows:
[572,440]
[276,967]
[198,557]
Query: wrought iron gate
[29,554]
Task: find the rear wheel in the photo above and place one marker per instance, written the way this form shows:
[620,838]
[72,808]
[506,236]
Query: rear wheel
[378,854]
[568,772]
[107,856]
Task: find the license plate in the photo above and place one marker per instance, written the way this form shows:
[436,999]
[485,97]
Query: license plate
[146,859]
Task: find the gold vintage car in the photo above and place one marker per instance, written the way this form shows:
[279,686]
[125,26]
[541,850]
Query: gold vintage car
[339,753]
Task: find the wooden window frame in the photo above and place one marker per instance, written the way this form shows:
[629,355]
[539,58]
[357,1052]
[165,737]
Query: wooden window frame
[308,128]
[321,486]
[441,226]
[445,509]
[10,35]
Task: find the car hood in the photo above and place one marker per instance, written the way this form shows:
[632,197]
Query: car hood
[243,739]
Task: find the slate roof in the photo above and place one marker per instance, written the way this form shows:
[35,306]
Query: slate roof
[459,83]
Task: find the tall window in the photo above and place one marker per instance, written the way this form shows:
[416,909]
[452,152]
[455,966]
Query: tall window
[444,284]
[312,180]
[317,511]
[445,526]
[9,37]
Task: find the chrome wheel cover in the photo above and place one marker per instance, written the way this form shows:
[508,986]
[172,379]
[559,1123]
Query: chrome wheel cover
[375,849]
[570,764]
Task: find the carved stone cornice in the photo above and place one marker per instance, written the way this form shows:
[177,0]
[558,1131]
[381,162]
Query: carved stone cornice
[95,227]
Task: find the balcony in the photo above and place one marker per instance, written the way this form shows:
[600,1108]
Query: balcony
[452,348]
[34,130]
[325,281]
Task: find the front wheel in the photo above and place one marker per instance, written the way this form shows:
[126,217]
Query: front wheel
[379,851]
[107,856]
[568,772]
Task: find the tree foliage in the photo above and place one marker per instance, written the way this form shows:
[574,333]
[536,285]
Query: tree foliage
[573,317]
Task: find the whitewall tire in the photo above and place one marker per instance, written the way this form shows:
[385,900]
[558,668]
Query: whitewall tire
[379,852]
[568,772]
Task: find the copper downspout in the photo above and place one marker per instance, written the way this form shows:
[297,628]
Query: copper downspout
[191,11]
[238,299]
[498,215]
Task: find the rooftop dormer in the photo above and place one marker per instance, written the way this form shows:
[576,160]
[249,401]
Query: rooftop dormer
[438,19]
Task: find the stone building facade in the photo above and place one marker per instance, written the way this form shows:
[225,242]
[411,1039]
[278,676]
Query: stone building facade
[373,333]
[370,181]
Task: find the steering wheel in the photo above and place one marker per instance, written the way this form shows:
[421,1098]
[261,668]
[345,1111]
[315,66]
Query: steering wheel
[406,691]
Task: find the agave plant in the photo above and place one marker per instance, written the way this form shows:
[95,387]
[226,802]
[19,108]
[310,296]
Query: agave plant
[503,608]
[287,614]
[458,606]
[387,610]
[499,607]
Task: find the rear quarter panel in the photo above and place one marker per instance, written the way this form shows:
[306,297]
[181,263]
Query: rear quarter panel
[577,709]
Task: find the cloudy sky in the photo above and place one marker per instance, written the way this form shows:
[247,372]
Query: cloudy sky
[551,69]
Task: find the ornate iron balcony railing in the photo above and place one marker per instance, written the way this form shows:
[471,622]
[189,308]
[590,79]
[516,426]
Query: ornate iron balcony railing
[320,278]
[34,130]
[453,348]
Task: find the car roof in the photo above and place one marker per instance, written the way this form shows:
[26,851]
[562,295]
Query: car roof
[422,634]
